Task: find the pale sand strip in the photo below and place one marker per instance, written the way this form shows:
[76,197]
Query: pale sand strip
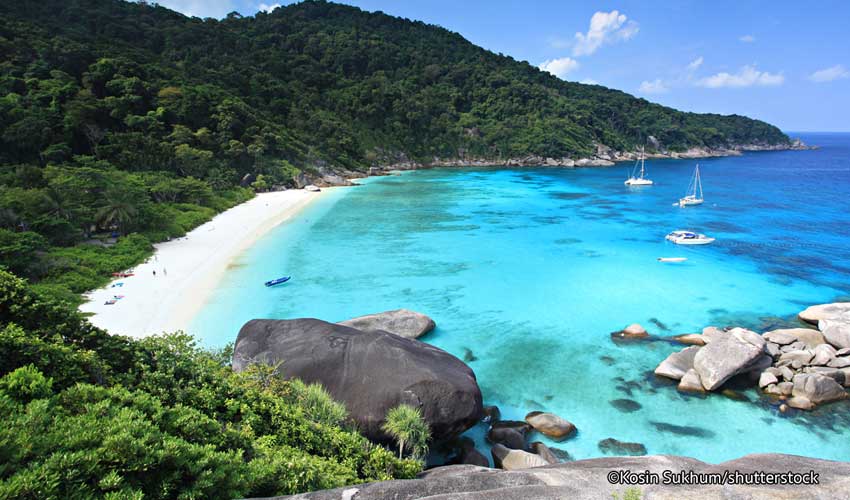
[188,269]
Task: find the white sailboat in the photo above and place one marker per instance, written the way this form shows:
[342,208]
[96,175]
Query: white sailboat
[639,179]
[694,196]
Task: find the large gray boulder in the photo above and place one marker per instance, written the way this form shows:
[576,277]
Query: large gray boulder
[402,322]
[728,355]
[371,372]
[817,388]
[678,363]
[816,313]
[589,480]
[836,332]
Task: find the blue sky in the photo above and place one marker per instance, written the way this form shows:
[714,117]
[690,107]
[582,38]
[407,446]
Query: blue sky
[781,61]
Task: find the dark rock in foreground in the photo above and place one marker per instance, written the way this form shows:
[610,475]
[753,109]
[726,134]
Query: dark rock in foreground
[402,322]
[588,479]
[371,372]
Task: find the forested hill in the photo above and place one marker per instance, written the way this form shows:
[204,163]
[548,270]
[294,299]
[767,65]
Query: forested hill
[121,118]
[312,81]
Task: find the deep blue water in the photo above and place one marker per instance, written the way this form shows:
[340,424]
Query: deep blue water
[529,271]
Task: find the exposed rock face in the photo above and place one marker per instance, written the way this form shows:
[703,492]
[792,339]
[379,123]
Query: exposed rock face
[402,322]
[677,363]
[588,480]
[816,313]
[550,425]
[836,332]
[371,372]
[508,459]
[727,356]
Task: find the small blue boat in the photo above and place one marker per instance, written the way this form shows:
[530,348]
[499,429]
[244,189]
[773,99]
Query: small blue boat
[278,281]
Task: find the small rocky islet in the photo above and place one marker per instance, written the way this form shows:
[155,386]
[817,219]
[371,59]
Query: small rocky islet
[800,367]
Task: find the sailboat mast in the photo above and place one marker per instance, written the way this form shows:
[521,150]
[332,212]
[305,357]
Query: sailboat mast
[642,156]
[698,183]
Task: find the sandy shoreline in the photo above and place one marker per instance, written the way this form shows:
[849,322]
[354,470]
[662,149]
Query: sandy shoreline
[188,269]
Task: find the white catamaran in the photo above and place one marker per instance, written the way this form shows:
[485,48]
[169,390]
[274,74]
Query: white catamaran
[639,179]
[694,196]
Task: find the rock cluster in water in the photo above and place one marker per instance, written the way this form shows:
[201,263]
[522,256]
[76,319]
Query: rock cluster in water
[803,367]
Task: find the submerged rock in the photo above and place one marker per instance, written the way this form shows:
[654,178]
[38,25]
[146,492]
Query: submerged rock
[550,425]
[726,356]
[401,322]
[370,372]
[613,446]
[625,405]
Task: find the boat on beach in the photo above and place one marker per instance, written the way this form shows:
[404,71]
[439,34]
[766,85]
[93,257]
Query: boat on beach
[694,196]
[681,237]
[638,177]
[277,281]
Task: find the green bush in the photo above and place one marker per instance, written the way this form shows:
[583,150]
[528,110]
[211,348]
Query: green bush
[92,415]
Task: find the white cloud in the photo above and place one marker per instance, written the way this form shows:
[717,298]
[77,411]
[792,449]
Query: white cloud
[201,8]
[747,39]
[605,27]
[696,63]
[836,72]
[656,86]
[589,81]
[268,8]
[559,67]
[747,76]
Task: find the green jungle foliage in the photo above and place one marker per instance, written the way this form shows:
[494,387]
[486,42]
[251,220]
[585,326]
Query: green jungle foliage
[120,117]
[91,415]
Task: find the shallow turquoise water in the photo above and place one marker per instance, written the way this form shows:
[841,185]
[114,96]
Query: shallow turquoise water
[530,270]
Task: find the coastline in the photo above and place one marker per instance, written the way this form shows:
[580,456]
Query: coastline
[188,269]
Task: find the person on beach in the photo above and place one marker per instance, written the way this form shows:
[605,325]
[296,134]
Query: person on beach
[164,272]
[154,273]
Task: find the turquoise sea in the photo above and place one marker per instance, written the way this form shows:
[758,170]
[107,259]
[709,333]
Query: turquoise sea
[528,271]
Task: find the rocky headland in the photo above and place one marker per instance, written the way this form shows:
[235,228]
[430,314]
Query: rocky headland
[325,175]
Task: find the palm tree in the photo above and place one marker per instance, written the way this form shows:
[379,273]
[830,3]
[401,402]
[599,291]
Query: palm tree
[406,425]
[118,212]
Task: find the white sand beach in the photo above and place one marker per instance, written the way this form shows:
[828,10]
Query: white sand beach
[189,268]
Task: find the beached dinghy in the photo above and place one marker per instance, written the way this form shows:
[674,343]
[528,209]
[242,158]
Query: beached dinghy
[688,238]
[278,281]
